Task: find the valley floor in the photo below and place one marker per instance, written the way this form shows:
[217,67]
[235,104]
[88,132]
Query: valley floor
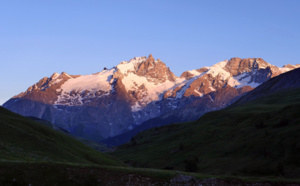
[20,173]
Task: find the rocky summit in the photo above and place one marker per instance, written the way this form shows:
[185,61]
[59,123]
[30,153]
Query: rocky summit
[116,100]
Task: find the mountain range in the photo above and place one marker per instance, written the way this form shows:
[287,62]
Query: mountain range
[255,134]
[137,93]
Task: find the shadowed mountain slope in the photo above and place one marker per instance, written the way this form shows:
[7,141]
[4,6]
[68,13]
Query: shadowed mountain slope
[286,81]
[24,140]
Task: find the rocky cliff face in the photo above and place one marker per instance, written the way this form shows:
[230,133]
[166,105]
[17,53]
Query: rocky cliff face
[113,101]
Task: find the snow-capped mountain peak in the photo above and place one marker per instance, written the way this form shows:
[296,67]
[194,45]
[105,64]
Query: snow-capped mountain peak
[54,75]
[219,69]
[130,66]
[114,100]
[78,90]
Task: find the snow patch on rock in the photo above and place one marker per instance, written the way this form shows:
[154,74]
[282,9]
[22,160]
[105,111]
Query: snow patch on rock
[129,66]
[136,107]
[186,84]
[98,81]
[151,90]
[91,83]
[199,93]
[241,80]
[194,72]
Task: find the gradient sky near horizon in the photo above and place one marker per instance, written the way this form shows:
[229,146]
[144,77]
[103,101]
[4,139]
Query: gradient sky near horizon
[38,38]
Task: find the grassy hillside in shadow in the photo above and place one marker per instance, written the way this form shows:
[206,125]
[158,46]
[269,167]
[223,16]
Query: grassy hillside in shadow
[255,143]
[24,140]
[259,138]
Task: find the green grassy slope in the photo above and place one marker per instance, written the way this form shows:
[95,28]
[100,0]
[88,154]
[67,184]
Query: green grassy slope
[92,144]
[259,138]
[24,140]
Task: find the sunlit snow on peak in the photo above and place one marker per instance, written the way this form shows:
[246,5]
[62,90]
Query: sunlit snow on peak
[55,75]
[99,81]
[128,66]
[218,69]
[91,83]
[194,72]
[137,59]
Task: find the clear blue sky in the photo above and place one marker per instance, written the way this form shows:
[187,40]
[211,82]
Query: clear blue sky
[38,38]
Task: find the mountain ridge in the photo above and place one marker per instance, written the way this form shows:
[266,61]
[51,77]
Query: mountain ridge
[285,81]
[116,100]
